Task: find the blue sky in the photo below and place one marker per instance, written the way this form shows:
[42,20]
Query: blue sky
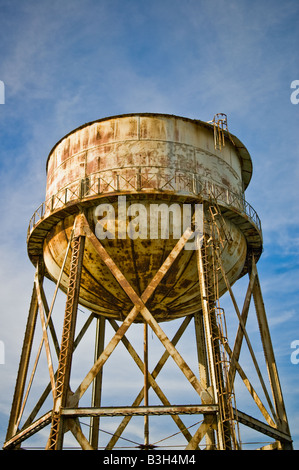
[71,62]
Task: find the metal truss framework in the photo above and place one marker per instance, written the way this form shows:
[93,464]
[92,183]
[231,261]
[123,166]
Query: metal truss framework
[218,362]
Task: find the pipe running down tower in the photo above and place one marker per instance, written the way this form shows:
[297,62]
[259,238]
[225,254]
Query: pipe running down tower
[145,222]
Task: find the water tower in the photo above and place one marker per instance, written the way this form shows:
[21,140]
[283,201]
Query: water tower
[145,222]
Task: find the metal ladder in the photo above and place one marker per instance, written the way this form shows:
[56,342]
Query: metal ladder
[212,241]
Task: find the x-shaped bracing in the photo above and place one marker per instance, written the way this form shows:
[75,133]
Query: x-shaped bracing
[82,229]
[139,307]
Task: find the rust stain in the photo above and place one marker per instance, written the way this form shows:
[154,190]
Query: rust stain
[154,158]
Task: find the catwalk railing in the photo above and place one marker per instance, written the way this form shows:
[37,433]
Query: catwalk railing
[182,184]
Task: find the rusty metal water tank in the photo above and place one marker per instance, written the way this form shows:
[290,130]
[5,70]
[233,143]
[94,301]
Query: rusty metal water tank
[148,159]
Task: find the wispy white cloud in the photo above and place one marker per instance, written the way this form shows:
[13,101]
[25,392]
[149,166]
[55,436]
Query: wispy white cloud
[64,64]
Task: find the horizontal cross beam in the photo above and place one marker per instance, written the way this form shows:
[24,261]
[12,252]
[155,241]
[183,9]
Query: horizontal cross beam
[139,410]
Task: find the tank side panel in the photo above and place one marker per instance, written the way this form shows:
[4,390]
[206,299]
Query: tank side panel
[162,148]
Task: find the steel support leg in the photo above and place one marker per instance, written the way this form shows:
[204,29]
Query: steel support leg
[203,367]
[223,438]
[23,366]
[97,383]
[67,344]
[270,361]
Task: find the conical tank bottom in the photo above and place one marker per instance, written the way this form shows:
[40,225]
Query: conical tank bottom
[139,259]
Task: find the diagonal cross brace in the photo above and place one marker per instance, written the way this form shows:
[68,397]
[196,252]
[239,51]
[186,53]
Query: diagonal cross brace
[139,307]
[152,383]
